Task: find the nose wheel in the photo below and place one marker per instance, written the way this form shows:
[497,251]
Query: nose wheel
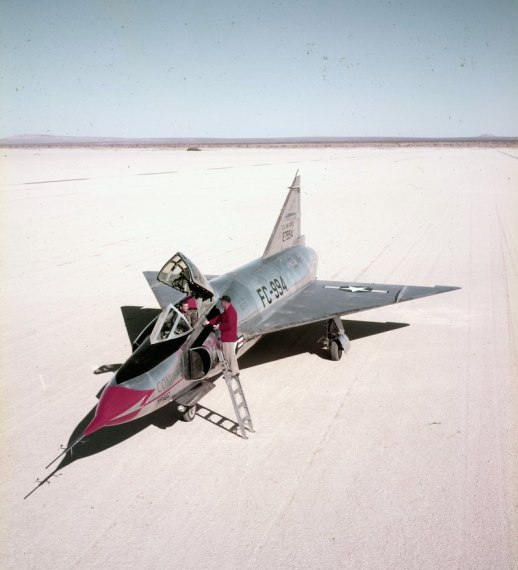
[187,413]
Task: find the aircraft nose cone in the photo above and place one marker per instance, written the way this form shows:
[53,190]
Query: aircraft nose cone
[117,406]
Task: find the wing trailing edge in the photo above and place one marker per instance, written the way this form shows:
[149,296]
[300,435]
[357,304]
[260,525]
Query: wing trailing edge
[322,300]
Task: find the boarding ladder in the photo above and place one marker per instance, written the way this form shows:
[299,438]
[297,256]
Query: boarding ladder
[235,389]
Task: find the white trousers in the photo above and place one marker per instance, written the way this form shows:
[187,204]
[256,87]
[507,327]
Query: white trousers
[230,356]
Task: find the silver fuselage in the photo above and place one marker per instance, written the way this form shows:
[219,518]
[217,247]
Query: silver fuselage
[257,289]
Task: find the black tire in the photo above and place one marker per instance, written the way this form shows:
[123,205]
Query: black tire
[189,415]
[336,351]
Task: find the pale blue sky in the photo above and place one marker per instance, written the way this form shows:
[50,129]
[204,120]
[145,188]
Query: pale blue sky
[163,68]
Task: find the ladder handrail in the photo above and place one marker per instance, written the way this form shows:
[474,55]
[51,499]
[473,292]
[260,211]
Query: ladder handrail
[239,390]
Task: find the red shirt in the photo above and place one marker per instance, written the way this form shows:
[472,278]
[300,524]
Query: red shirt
[228,324]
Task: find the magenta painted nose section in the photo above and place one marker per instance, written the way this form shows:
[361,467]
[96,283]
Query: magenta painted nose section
[117,405]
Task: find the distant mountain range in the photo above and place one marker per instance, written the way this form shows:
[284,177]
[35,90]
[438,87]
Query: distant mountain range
[32,139]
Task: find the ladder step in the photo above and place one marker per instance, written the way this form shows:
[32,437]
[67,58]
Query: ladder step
[245,420]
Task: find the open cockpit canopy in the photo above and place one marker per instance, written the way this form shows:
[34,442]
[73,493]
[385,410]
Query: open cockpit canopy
[181,274]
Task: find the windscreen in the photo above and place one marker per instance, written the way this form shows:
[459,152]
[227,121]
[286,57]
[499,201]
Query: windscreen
[170,324]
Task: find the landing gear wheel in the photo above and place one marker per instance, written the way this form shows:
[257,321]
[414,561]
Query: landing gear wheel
[188,416]
[336,351]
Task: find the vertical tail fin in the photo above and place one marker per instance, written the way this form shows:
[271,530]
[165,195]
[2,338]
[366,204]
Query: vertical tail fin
[286,232]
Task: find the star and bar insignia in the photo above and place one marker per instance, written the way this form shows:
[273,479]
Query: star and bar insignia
[354,289]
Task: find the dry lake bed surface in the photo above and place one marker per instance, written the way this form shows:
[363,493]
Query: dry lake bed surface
[400,456]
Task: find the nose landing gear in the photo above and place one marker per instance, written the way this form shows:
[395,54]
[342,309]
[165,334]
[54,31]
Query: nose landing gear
[187,413]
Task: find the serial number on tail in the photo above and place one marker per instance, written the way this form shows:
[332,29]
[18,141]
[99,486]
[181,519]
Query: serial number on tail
[287,235]
[287,231]
[277,288]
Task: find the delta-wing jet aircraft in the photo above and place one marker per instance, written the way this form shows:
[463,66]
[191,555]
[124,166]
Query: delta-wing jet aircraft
[172,360]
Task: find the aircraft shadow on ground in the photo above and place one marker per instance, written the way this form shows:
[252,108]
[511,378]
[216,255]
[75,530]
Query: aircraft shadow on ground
[107,437]
[273,347]
[299,340]
[136,319]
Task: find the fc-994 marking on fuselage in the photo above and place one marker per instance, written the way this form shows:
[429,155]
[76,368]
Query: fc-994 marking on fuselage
[277,288]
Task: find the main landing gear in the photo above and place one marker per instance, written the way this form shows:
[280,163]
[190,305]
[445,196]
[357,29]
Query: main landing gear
[335,339]
[336,350]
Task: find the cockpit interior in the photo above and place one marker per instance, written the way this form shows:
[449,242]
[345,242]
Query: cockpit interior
[170,324]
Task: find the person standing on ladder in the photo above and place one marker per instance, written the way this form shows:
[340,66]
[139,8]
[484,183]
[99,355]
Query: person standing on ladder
[227,324]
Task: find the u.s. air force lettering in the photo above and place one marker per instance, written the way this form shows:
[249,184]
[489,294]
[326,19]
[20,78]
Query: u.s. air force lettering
[287,231]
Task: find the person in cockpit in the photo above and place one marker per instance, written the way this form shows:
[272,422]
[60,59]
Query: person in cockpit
[190,314]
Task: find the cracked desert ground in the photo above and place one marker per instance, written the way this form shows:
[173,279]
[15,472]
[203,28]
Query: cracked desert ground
[400,456]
